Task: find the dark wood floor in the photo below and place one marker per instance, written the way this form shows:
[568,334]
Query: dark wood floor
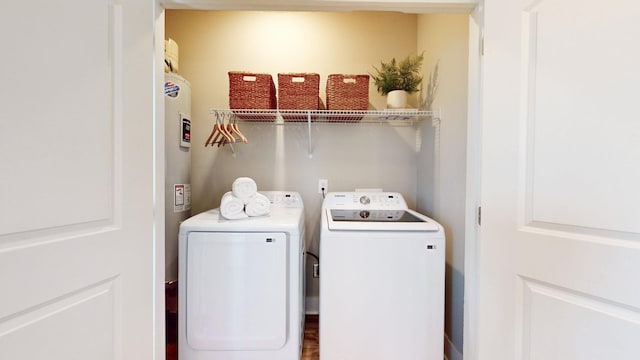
[311,347]
[171,319]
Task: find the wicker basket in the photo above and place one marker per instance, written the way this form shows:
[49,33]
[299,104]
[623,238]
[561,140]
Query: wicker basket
[298,91]
[252,91]
[347,92]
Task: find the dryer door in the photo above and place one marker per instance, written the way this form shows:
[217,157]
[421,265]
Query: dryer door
[236,290]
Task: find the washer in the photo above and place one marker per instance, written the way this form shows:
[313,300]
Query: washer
[241,284]
[381,279]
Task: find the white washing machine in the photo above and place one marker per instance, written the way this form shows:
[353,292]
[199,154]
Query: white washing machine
[381,279]
[241,284]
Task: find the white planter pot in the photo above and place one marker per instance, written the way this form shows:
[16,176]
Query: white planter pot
[397,99]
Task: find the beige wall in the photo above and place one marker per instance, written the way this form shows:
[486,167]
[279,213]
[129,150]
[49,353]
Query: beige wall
[349,156]
[215,42]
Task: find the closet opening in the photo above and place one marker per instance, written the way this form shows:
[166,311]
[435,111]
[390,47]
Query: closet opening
[426,162]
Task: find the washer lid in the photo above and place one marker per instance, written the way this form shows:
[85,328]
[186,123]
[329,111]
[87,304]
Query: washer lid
[379,220]
[374,215]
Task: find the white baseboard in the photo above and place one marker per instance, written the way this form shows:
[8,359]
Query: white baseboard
[450,351]
[312,305]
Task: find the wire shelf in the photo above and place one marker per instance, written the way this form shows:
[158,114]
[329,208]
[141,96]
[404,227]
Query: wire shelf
[392,117]
[397,117]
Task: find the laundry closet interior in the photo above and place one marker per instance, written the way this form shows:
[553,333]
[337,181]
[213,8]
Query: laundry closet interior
[424,159]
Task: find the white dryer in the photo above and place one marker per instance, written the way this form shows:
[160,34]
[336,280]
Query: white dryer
[241,284]
[381,279]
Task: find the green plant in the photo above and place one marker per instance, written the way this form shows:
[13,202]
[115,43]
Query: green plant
[399,75]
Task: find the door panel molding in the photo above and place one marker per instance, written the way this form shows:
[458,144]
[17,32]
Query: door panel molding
[563,124]
[600,236]
[88,314]
[107,90]
[74,181]
[551,314]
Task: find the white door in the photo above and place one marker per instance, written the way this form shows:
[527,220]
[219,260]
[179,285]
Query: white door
[559,246]
[76,159]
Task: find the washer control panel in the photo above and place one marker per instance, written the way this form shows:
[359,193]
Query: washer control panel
[365,200]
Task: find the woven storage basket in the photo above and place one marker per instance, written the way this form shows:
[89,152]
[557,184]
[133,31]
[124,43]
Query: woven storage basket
[347,92]
[298,91]
[252,91]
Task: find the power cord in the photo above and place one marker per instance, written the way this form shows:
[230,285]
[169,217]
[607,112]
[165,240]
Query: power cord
[314,255]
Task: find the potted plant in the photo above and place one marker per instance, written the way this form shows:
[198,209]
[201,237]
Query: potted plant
[397,79]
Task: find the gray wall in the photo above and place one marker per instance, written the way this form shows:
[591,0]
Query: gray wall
[442,165]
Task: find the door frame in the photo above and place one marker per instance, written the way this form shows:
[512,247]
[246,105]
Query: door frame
[474,120]
[159,326]
[473,181]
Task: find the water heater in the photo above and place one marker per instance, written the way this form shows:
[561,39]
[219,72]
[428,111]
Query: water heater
[177,93]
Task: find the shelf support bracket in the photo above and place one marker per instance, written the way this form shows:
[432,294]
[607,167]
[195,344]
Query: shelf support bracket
[309,134]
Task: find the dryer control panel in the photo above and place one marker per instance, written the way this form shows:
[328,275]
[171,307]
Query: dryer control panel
[283,199]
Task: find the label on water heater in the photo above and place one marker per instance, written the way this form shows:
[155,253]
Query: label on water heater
[185,131]
[181,197]
[171,89]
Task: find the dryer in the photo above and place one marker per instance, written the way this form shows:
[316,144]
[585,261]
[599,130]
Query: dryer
[381,279]
[241,284]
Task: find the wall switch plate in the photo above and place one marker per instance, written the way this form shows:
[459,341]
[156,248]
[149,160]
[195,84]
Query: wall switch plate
[323,186]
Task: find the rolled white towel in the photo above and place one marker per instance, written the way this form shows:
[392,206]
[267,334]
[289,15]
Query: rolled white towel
[231,207]
[244,188]
[258,205]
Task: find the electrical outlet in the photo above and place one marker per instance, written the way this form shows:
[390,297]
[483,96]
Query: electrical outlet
[323,186]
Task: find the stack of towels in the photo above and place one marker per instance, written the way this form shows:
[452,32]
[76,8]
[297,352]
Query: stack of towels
[244,200]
